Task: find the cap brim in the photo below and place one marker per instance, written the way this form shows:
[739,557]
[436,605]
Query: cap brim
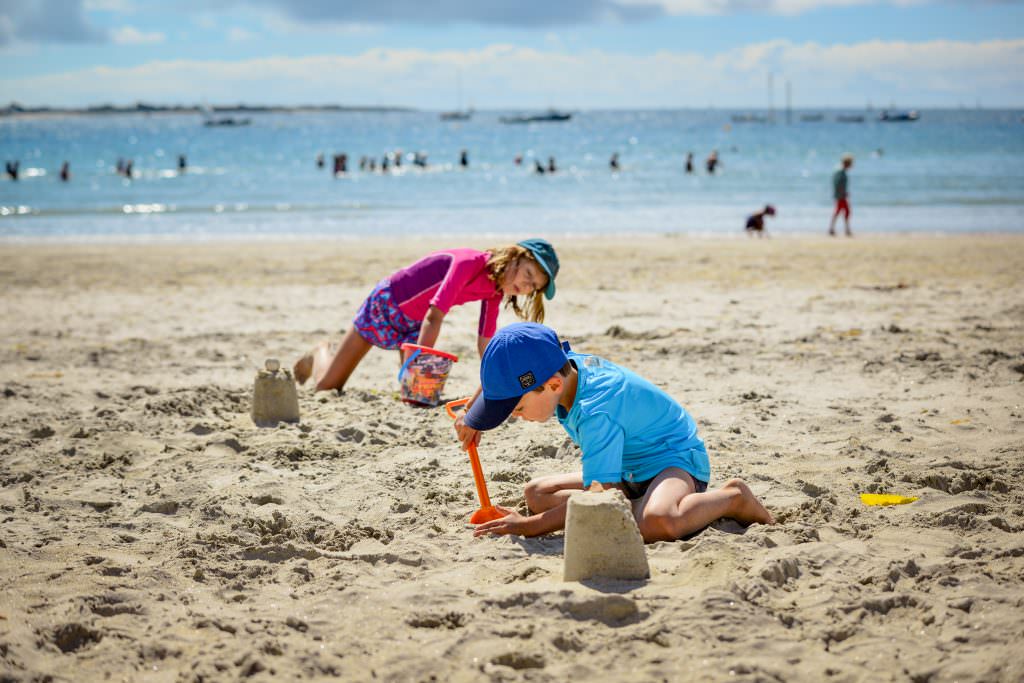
[549,291]
[487,413]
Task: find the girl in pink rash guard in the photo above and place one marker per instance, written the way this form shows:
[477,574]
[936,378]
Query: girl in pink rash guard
[410,304]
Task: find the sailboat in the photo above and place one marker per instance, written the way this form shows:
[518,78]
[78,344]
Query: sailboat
[459,114]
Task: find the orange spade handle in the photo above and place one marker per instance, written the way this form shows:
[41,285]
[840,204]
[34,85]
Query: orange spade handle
[487,512]
[451,405]
[478,477]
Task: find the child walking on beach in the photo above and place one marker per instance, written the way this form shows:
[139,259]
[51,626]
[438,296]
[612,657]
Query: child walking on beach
[840,191]
[410,304]
[755,222]
[633,435]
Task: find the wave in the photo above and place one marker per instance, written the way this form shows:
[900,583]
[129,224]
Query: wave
[158,208]
[148,208]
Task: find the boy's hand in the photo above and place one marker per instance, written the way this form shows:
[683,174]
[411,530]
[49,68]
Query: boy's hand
[597,487]
[467,435]
[511,523]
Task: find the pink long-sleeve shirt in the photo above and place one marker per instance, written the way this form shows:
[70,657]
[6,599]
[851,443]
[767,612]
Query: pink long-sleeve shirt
[448,278]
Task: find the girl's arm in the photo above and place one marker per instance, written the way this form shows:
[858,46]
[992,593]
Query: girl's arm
[481,344]
[431,327]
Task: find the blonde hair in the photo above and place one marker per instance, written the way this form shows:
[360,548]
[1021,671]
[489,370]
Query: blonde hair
[532,306]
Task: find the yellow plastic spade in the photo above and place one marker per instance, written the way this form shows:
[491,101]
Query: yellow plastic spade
[885,499]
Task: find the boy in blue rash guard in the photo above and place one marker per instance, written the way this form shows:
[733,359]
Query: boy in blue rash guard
[633,435]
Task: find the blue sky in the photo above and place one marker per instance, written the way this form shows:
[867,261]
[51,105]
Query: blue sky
[529,53]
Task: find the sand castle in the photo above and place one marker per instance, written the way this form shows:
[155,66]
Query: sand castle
[602,539]
[274,398]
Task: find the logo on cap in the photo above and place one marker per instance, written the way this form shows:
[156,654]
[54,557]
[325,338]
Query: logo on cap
[527,380]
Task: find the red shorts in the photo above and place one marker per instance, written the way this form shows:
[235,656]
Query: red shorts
[842,207]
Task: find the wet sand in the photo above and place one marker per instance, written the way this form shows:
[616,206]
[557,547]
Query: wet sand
[151,532]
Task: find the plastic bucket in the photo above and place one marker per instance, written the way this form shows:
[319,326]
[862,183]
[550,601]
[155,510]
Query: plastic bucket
[423,374]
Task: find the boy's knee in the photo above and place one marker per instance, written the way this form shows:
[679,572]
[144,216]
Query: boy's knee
[532,491]
[658,527]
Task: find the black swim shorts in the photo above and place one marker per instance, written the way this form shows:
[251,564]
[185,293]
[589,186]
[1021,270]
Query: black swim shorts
[637,489]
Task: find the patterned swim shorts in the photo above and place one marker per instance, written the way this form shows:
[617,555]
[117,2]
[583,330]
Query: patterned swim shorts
[382,323]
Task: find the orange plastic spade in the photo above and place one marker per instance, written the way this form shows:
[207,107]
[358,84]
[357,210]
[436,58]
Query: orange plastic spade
[487,512]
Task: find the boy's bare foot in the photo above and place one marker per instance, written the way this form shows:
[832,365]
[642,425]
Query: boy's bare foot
[748,507]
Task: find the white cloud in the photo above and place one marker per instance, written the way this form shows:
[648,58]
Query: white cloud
[788,7]
[237,34]
[205,21]
[282,24]
[129,35]
[919,74]
[553,41]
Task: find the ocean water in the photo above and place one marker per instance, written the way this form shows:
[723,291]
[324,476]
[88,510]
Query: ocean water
[951,171]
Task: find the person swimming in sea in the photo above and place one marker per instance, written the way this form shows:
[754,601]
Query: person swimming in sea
[712,162]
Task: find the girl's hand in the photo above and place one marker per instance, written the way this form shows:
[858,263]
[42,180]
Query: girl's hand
[466,434]
[511,523]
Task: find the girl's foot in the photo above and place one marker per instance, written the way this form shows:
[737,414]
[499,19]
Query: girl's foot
[306,366]
[748,508]
[303,368]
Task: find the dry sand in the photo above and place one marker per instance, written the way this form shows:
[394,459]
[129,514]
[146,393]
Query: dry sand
[151,532]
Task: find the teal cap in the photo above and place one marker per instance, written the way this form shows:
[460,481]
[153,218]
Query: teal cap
[547,258]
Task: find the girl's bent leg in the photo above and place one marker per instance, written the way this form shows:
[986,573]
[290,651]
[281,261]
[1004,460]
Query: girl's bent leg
[331,371]
[671,509]
[544,493]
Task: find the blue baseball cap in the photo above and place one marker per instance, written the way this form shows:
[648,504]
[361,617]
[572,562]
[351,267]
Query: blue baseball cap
[547,258]
[518,359]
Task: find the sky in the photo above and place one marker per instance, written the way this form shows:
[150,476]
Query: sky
[521,54]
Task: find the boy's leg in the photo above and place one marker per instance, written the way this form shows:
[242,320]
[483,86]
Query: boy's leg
[544,493]
[671,509]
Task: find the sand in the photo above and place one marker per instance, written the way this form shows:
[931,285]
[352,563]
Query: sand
[151,532]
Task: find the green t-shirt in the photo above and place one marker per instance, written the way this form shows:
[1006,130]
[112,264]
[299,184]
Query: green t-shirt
[839,184]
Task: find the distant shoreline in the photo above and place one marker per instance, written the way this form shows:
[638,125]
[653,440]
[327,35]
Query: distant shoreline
[16,110]
[753,113]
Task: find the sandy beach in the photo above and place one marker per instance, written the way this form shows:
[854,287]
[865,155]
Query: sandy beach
[152,532]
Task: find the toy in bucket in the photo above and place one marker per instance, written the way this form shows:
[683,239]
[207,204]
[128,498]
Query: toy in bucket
[423,374]
[487,512]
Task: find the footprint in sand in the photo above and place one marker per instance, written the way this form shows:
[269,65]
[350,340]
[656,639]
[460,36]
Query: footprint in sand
[73,637]
[44,432]
[163,507]
[350,434]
